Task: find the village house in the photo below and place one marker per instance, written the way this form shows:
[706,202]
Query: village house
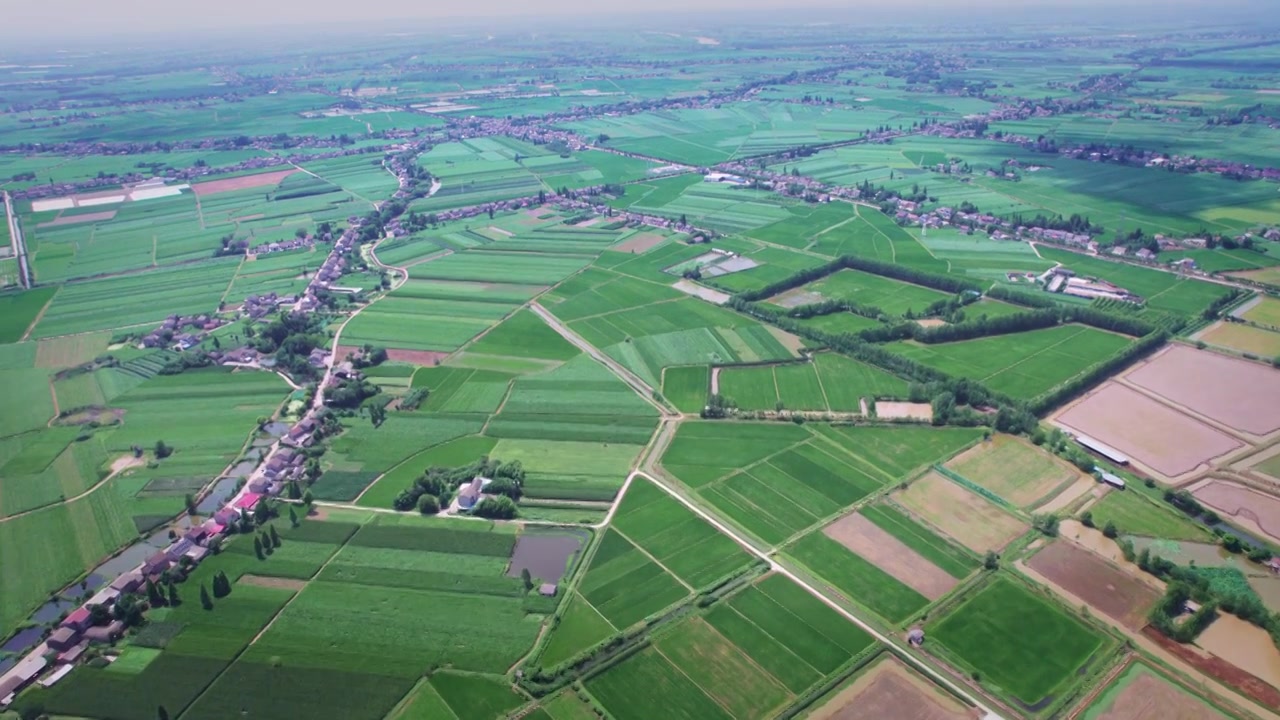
[128,582]
[469,494]
[105,633]
[156,564]
[78,619]
[62,639]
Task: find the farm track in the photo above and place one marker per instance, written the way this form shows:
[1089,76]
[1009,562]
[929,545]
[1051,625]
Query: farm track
[627,376]
[871,630]
[97,486]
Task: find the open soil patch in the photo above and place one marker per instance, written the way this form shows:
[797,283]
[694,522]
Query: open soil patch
[78,219]
[796,298]
[864,538]
[1148,697]
[972,520]
[1240,394]
[639,243]
[890,690]
[243,182]
[1242,502]
[1114,592]
[1219,669]
[1151,433]
[426,358]
[904,410]
[273,582]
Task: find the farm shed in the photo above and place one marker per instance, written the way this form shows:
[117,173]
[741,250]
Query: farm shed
[1114,481]
[63,639]
[547,589]
[17,678]
[105,633]
[56,675]
[1103,449]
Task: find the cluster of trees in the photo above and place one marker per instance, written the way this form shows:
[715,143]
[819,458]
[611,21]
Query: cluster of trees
[221,585]
[435,488]
[1077,223]
[350,394]
[266,542]
[414,399]
[1217,306]
[498,507]
[291,336]
[185,361]
[1164,616]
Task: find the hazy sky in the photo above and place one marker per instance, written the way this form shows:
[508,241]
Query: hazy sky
[34,20]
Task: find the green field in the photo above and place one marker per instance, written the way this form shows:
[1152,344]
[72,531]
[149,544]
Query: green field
[19,310]
[687,387]
[856,578]
[1019,643]
[891,296]
[1022,365]
[746,658]
[1134,514]
[831,382]
[950,558]
[775,481]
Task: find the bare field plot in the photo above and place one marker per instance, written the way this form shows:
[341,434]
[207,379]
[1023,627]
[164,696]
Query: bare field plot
[1013,469]
[1151,433]
[970,519]
[1242,338]
[1241,502]
[1112,591]
[1140,693]
[862,537]
[892,690]
[243,182]
[1237,393]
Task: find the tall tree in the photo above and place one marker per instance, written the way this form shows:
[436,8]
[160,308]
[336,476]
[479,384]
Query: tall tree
[174,599]
[205,601]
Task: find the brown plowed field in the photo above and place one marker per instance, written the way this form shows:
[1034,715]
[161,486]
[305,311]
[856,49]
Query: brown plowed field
[1237,393]
[1112,591]
[639,243]
[1148,697]
[864,538]
[890,691]
[1236,500]
[426,358]
[1151,433]
[971,519]
[243,182]
[77,219]
[1218,669]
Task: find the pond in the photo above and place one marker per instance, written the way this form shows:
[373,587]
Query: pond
[546,555]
